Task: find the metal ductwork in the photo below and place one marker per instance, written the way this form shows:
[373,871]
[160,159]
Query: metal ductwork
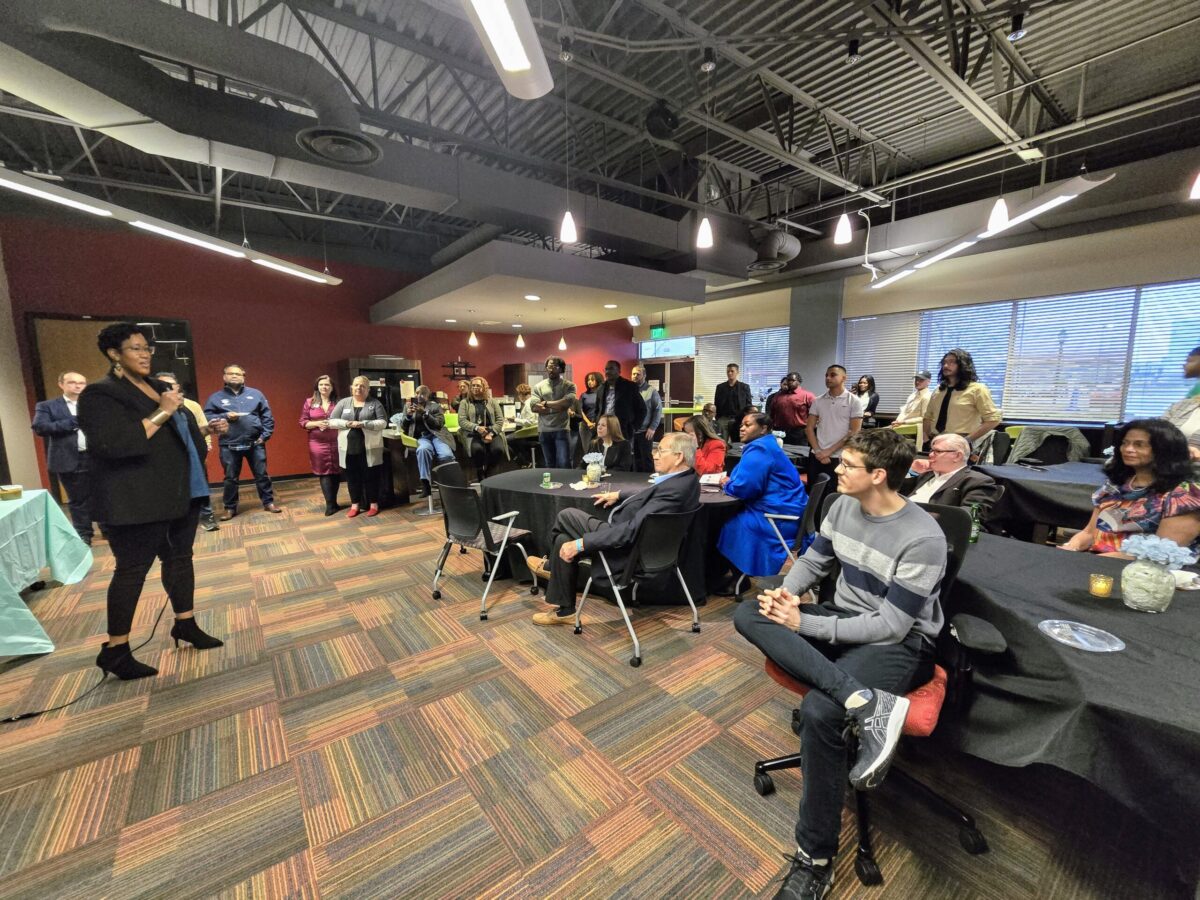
[150,26]
[775,251]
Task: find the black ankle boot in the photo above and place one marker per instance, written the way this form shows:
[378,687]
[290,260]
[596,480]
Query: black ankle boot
[188,630]
[425,489]
[119,661]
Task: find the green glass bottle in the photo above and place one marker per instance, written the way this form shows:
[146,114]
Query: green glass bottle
[976,523]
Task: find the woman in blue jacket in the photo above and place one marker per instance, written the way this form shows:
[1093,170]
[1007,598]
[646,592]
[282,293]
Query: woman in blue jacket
[766,481]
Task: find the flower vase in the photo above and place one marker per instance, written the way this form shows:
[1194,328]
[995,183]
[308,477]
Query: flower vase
[1147,586]
[593,474]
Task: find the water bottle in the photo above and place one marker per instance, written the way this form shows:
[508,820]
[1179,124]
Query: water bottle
[545,479]
[976,524]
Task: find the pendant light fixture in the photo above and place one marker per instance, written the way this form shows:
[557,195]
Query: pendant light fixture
[1195,194]
[704,234]
[562,338]
[842,234]
[472,341]
[567,233]
[998,220]
[520,340]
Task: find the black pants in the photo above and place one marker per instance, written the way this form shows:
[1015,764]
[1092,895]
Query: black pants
[835,671]
[815,467]
[796,436]
[569,525]
[231,459]
[642,460]
[78,486]
[329,490]
[362,480]
[135,548]
[484,456]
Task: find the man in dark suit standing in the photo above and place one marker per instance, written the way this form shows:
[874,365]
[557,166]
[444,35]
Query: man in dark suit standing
[732,399]
[949,481]
[576,533]
[620,397]
[66,448]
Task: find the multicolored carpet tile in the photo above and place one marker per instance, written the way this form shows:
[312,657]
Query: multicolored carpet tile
[357,738]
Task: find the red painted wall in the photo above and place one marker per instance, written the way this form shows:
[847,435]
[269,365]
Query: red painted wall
[285,331]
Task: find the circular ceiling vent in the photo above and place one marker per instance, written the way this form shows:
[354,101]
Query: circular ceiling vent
[766,265]
[337,145]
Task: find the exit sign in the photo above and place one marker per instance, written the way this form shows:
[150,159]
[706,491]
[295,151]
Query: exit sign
[658,332]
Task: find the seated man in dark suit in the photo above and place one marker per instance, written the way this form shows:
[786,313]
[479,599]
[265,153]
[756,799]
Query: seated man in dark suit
[949,481]
[577,534]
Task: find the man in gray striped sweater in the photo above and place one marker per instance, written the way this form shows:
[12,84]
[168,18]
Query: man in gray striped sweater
[862,650]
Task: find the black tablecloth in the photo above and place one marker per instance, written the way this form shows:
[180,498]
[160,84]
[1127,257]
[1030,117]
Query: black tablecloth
[1059,495]
[1129,722]
[796,453]
[521,490]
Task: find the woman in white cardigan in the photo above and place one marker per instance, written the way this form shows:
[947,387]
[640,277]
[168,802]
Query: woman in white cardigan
[360,422]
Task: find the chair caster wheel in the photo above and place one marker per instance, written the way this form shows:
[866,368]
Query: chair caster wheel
[462,549]
[534,590]
[635,661]
[437,595]
[972,840]
[695,629]
[483,617]
[763,784]
[797,723]
[867,870]
[579,629]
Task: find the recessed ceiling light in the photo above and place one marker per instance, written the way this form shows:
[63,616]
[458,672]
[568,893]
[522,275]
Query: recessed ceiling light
[532,297]
[452,320]
[488,322]
[515,325]
[610,306]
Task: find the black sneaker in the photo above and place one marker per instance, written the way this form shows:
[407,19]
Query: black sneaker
[805,880]
[209,523]
[880,723]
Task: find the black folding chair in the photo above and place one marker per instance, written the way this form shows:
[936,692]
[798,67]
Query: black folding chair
[656,548]
[468,527]
[809,525]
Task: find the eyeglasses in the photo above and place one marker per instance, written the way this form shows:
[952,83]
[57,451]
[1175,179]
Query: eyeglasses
[659,451]
[147,349]
[842,465]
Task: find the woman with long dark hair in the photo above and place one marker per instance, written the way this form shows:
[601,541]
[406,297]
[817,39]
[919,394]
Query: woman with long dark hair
[618,455]
[710,449]
[481,428]
[864,389]
[1152,488]
[323,439]
[148,483]
[587,408]
[962,404]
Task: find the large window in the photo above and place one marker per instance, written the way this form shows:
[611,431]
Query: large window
[1095,357]
[762,355]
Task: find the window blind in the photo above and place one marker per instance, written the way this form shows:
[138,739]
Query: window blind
[713,353]
[1067,360]
[764,361]
[1168,328]
[982,330]
[884,347]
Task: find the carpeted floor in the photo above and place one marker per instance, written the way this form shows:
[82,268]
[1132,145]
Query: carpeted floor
[355,738]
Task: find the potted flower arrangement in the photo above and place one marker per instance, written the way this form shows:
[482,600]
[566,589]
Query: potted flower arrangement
[1147,583]
[595,467]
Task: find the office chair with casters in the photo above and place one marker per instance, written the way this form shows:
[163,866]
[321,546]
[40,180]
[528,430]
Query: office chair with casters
[809,526]
[656,548]
[964,634]
[468,527]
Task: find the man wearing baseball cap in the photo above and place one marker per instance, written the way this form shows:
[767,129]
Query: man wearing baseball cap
[913,410]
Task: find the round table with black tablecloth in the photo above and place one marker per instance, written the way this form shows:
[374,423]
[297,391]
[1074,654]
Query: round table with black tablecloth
[1128,722]
[1055,495]
[521,490]
[795,452]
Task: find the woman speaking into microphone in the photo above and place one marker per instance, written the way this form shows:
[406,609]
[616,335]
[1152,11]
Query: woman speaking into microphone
[148,484]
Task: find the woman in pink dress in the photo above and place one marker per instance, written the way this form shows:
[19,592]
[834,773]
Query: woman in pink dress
[322,440]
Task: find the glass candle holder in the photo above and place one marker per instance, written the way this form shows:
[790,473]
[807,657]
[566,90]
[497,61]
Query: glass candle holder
[1100,585]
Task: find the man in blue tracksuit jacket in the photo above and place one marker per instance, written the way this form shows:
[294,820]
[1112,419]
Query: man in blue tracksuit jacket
[250,427]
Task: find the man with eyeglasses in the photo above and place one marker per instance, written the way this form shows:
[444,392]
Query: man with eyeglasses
[861,650]
[949,481]
[250,427]
[577,534]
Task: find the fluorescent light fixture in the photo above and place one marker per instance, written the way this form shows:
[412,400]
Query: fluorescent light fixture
[704,235]
[9,180]
[452,320]
[506,30]
[533,297]
[942,254]
[610,306]
[999,217]
[1028,214]
[520,340]
[288,270]
[567,233]
[634,320]
[1195,194]
[189,239]
[894,277]
[1030,154]
[472,341]
[842,234]
[515,325]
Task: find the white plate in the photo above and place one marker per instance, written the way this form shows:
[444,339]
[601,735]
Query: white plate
[1080,636]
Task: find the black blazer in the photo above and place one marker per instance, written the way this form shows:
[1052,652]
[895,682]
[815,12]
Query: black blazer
[617,458]
[629,408]
[134,479]
[677,494]
[732,403]
[964,487]
[53,421]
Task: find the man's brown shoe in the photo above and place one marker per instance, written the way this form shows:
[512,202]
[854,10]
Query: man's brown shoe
[271,507]
[553,618]
[228,514]
[537,565]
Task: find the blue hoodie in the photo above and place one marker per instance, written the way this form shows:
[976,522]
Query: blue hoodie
[254,420]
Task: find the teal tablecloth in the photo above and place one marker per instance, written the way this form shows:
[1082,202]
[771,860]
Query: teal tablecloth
[34,534]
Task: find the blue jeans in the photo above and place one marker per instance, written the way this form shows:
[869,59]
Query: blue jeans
[556,449]
[231,459]
[429,448]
